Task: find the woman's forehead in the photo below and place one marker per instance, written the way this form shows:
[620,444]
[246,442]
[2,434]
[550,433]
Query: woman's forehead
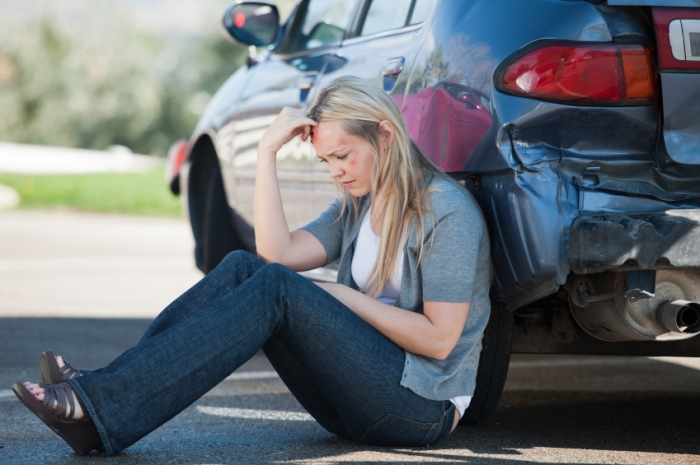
[328,136]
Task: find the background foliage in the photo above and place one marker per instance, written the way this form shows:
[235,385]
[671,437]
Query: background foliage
[124,193]
[101,78]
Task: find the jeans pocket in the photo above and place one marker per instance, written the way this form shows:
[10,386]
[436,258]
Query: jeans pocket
[393,430]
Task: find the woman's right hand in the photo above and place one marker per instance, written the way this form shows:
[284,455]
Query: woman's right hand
[298,250]
[290,123]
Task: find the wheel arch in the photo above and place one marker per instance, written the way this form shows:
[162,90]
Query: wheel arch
[202,152]
[210,215]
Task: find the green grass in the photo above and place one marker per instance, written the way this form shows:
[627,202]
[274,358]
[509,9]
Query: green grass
[124,193]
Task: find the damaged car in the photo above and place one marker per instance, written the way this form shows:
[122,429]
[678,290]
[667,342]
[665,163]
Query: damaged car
[575,125]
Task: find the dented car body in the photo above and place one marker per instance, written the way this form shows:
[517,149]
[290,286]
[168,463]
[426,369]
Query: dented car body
[575,124]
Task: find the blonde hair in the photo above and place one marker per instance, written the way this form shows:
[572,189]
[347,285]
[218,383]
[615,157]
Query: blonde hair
[399,177]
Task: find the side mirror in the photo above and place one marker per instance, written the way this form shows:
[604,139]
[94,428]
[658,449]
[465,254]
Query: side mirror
[252,23]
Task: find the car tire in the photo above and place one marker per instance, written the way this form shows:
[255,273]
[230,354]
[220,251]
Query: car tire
[210,215]
[493,365]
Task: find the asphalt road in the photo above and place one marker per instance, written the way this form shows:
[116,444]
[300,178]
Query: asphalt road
[88,285]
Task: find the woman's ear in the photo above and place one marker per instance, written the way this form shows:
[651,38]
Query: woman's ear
[386,133]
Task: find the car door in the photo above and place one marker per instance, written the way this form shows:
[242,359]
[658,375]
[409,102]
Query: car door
[286,77]
[386,37]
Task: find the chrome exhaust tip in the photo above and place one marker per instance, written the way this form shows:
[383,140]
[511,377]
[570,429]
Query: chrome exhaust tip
[681,316]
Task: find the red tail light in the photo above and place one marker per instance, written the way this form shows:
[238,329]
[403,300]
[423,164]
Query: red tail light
[177,153]
[585,74]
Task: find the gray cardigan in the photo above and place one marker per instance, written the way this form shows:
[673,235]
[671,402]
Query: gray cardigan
[455,267]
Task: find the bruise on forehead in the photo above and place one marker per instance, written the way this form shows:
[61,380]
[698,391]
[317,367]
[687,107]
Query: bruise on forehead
[329,137]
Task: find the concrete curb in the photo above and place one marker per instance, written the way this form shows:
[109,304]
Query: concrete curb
[38,159]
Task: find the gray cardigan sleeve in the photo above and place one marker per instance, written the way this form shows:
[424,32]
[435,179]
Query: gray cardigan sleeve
[328,229]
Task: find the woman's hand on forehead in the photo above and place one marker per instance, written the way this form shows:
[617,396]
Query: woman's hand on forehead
[291,122]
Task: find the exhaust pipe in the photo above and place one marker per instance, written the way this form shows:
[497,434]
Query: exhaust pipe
[667,311]
[681,316]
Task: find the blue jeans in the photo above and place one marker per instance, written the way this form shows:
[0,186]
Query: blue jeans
[342,371]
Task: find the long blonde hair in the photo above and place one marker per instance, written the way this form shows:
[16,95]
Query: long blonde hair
[400,175]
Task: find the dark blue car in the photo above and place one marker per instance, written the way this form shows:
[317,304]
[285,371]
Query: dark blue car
[575,124]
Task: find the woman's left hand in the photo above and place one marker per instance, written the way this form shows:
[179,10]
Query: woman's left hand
[433,333]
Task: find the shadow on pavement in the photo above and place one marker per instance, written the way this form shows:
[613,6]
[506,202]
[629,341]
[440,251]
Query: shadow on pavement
[573,424]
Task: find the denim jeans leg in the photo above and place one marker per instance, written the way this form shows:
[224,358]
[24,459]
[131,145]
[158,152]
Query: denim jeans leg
[355,367]
[234,269]
[152,382]
[296,378]
[347,376]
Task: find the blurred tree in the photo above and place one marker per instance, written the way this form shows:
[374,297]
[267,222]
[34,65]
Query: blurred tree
[108,83]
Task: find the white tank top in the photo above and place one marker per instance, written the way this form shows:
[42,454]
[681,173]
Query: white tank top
[366,252]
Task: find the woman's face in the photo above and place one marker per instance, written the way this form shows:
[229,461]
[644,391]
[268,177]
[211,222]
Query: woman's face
[349,158]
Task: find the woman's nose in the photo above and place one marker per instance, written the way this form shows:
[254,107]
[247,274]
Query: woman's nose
[335,172]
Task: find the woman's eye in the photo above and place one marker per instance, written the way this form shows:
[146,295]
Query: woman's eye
[342,157]
[322,160]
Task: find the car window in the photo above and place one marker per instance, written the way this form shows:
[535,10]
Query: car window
[384,15]
[326,22]
[421,10]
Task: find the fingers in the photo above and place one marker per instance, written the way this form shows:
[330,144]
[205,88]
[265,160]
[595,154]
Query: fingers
[298,121]
[291,122]
[296,116]
[307,132]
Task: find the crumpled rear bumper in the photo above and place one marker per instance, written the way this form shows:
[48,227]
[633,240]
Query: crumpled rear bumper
[616,241]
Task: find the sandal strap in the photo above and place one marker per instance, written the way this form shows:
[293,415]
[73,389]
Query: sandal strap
[68,372]
[57,399]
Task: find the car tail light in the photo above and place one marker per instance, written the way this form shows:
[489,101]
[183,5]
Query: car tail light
[678,37]
[585,74]
[176,158]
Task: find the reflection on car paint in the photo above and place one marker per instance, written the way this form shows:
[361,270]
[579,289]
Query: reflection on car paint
[447,118]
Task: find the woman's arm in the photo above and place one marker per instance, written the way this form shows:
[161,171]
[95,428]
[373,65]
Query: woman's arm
[432,334]
[298,250]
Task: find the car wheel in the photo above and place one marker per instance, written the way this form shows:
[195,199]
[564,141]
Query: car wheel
[493,365]
[210,215]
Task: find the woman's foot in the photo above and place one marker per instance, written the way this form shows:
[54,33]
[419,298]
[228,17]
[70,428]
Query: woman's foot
[55,370]
[37,390]
[59,361]
[61,409]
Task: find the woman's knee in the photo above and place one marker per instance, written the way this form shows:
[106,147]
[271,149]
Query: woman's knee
[277,271]
[279,280]
[239,258]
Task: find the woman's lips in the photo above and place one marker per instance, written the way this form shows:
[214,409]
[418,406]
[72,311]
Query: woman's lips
[348,184]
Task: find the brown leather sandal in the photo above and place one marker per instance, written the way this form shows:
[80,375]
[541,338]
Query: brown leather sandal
[51,373]
[81,434]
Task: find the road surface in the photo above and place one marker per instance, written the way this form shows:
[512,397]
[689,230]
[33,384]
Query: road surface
[88,285]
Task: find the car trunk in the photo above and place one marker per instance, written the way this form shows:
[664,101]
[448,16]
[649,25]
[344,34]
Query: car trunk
[677,35]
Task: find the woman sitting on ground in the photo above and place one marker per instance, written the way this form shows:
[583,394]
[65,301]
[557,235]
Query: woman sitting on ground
[387,356]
